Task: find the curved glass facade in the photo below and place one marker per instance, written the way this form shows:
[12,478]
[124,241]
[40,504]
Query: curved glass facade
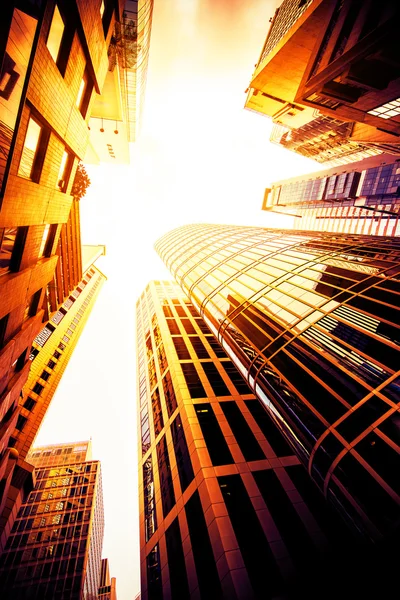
[312,321]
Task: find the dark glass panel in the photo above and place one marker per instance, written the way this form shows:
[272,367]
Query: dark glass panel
[187,324]
[384,459]
[269,429]
[292,529]
[154,582]
[169,393]
[248,444]
[193,382]
[236,377]
[181,349]
[216,346]
[173,327]
[324,456]
[157,412]
[381,311]
[206,569]
[362,418]
[199,347]
[257,555]
[150,517]
[324,402]
[369,494]
[183,461]
[215,379]
[164,472]
[176,562]
[213,436]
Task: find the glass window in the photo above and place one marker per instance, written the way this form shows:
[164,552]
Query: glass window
[7,241]
[216,444]
[183,462]
[64,171]
[248,444]
[193,382]
[29,152]
[56,33]
[176,562]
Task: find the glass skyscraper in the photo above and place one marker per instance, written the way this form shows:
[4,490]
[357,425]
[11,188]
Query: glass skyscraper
[227,511]
[311,320]
[54,550]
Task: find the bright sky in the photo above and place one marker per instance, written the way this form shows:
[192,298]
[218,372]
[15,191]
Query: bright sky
[201,158]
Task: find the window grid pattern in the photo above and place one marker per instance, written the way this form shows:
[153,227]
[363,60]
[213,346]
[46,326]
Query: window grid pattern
[313,321]
[57,529]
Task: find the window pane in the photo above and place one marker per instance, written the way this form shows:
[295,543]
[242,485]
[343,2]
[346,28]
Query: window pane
[55,34]
[29,150]
[7,241]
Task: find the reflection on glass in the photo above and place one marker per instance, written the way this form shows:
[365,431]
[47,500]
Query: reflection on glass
[55,34]
[29,151]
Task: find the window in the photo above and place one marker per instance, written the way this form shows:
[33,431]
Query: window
[216,444]
[164,472]
[154,582]
[31,307]
[176,562]
[244,436]
[61,346]
[56,33]
[388,110]
[51,364]
[185,470]
[181,349]
[84,94]
[56,354]
[206,569]
[37,388]
[21,423]
[45,375]
[3,327]
[29,403]
[217,383]
[33,152]
[193,382]
[64,171]
[7,241]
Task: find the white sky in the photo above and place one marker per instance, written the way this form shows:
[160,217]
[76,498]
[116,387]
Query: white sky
[201,158]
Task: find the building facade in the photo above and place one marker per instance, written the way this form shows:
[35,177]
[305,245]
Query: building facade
[328,76]
[54,550]
[108,585]
[311,320]
[226,509]
[53,59]
[362,198]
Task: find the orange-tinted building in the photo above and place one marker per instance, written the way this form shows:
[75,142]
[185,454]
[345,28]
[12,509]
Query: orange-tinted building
[328,75]
[227,511]
[361,197]
[53,59]
[54,550]
[108,585]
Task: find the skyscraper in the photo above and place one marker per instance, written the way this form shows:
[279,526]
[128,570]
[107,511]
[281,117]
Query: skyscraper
[54,550]
[311,320]
[226,509]
[108,586]
[363,197]
[328,76]
[53,60]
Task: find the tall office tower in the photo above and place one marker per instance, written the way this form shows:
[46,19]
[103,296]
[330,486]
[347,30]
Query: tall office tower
[108,586]
[226,509]
[363,197]
[54,550]
[117,112]
[311,320]
[50,353]
[328,76]
[53,58]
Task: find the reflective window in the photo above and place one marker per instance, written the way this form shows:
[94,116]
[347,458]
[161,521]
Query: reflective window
[30,151]
[183,461]
[193,381]
[7,241]
[248,444]
[176,562]
[215,441]
[56,33]
[164,472]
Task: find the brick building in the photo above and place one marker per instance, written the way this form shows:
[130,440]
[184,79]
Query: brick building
[53,58]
